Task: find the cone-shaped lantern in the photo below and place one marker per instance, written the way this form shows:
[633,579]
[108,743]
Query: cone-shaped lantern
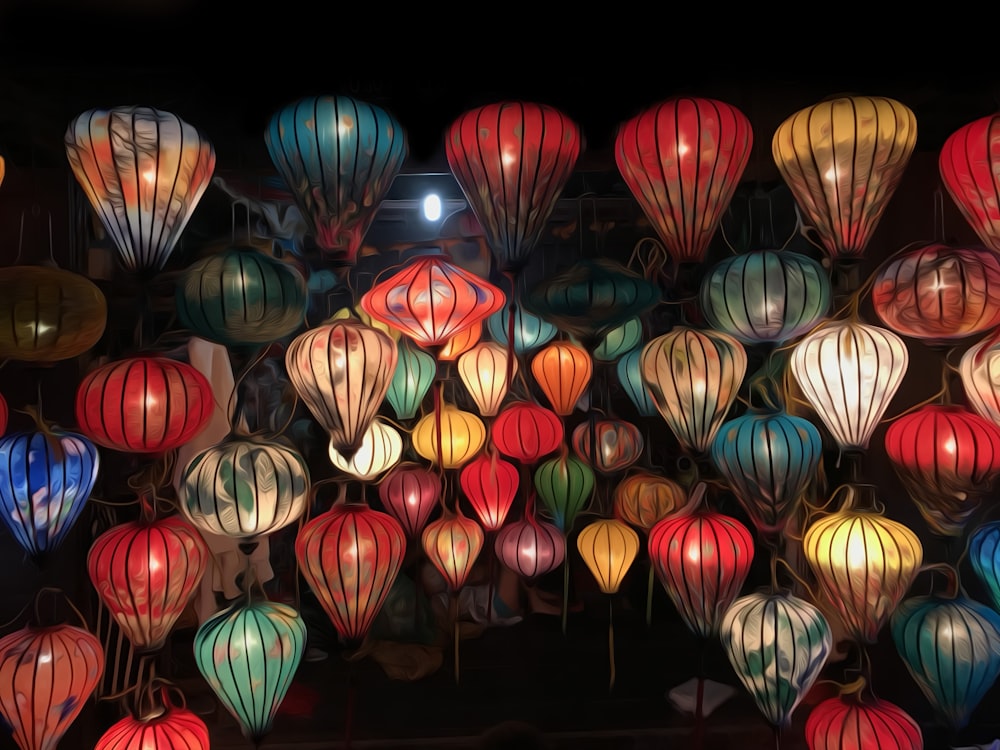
[968,163]
[483,371]
[562,370]
[463,435]
[980,373]
[530,547]
[381,448]
[164,727]
[411,380]
[846,722]
[608,547]
[565,485]
[490,485]
[526,431]
[452,543]
[410,492]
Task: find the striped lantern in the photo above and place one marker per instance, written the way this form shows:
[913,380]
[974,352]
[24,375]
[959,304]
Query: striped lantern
[463,435]
[248,655]
[693,377]
[483,372]
[979,370]
[562,370]
[459,343]
[144,404]
[968,166]
[611,445]
[984,556]
[619,340]
[778,644]
[490,485]
[165,727]
[850,723]
[765,295]
[608,548]
[47,675]
[146,572]
[241,296]
[531,332]
[48,314]
[947,458]
[643,499]
[526,431]
[452,543]
[411,379]
[409,493]
[381,448]
[341,370]
[350,556]
[565,485]
[530,547]
[629,372]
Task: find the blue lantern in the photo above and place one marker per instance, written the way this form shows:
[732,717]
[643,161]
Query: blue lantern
[629,369]
[984,555]
[531,332]
[415,372]
[619,340]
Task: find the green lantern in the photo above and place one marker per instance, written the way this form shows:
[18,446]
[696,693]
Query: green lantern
[565,484]
[619,340]
[415,372]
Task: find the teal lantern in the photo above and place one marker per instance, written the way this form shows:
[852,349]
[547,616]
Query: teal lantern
[415,372]
[629,371]
[531,332]
[619,340]
[565,485]
[984,555]
[248,654]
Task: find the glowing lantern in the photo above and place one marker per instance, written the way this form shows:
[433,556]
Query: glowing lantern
[411,379]
[531,331]
[984,555]
[643,499]
[629,372]
[619,340]
[483,370]
[562,370]
[611,445]
[47,674]
[463,435]
[980,373]
[490,485]
[526,432]
[565,485]
[682,160]
[144,404]
[849,371]
[843,722]
[968,167]
[342,370]
[947,458]
[350,556]
[460,343]
[339,156]
[778,644]
[530,547]
[693,377]
[381,448]
[843,159]
[144,171]
[48,314]
[410,493]
[165,727]
[608,547]
[452,543]
[146,573]
[248,654]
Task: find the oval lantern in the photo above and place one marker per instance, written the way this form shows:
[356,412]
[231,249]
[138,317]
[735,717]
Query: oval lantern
[241,296]
[562,370]
[381,448]
[463,435]
[531,332]
[778,645]
[512,160]
[682,160]
[610,445]
[530,547]
[49,314]
[979,370]
[410,492]
[411,379]
[144,404]
[968,166]
[850,723]
[608,547]
[146,572]
[947,458]
[984,556]
[643,499]
[619,340]
[339,156]
[490,485]
[144,171]
[166,727]
[526,431]
[350,556]
[248,655]
[483,370]
[47,674]
[629,372]
[843,159]
[452,543]
[565,485]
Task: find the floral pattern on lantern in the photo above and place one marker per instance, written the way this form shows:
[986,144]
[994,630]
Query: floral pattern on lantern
[526,431]
[608,548]
[530,547]
[610,445]
[483,370]
[463,435]
[381,448]
[490,485]
[562,370]
[968,166]
[410,492]
[452,543]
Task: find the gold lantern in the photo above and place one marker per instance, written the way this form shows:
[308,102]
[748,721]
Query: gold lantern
[484,372]
[462,435]
[562,370]
[608,547]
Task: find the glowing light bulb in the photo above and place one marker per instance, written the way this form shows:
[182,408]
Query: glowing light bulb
[432,207]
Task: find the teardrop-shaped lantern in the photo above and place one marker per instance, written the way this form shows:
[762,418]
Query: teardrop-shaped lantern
[530,547]
[463,435]
[629,372]
[381,448]
[339,156]
[47,674]
[984,556]
[979,370]
[350,556]
[766,295]
[248,654]
[144,172]
[531,332]
[490,485]
[341,370]
[968,166]
[512,160]
[619,340]
[562,370]
[146,573]
[849,371]
[608,547]
[565,485]
[682,160]
[411,379]
[947,458]
[845,722]
[483,371]
[610,445]
[526,431]
[452,543]
[410,492]
[843,159]
[693,377]
[144,404]
[778,645]
[643,499]
[166,727]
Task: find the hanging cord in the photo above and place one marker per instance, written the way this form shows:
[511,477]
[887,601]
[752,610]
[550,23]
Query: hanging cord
[939,215]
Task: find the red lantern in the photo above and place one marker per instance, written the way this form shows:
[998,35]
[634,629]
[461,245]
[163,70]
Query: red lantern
[144,404]
[490,484]
[166,727]
[526,432]
[452,544]
[531,548]
[610,445]
[970,169]
[848,723]
[410,492]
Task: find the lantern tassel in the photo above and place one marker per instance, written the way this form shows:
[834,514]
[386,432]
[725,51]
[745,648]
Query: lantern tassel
[611,643]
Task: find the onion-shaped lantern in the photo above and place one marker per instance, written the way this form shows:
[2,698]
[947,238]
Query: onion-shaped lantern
[411,379]
[968,166]
[849,371]
[484,372]
[452,543]
[530,547]
[619,340]
[526,431]
[144,404]
[459,343]
[979,370]
[162,727]
[629,372]
[350,556]
[562,370]
[410,492]
[845,722]
[248,654]
[947,457]
[693,377]
[984,556]
[643,499]
[47,674]
[565,485]
[682,160]
[490,485]
[531,332]
[144,171]
[463,435]
[778,644]
[381,448]
[843,159]
[340,156]
[611,445]
[608,547]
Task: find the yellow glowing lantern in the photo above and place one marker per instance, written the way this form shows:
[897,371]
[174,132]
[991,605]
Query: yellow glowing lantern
[562,370]
[483,370]
[609,547]
[463,435]
[381,449]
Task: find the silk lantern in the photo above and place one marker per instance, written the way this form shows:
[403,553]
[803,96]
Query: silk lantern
[608,547]
[410,492]
[485,374]
[849,722]
[643,499]
[350,556]
[563,371]
[565,485]
[611,445]
[144,171]
[843,159]
[452,543]
[968,167]
[145,404]
[531,332]
[490,485]
[682,160]
[411,379]
[629,372]
[381,448]
[979,370]
[459,343]
[530,547]
[462,436]
[163,727]
[526,431]
[619,340]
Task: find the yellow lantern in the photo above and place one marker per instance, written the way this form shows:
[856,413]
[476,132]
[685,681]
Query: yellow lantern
[381,448]
[562,370]
[463,435]
[483,370]
[608,547]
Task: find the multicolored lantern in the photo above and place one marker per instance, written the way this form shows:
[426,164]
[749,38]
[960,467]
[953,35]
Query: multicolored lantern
[452,543]
[565,485]
[629,372]
[531,332]
[984,556]
[968,167]
[410,492]
[562,370]
[381,448]
[490,485]
[484,370]
[462,436]
[610,445]
[846,722]
[979,370]
[530,547]
[411,379]
[643,499]
[526,432]
[164,727]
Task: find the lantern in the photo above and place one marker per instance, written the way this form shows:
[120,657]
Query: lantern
[693,377]
[144,172]
[248,654]
[452,543]
[410,492]
[411,379]
[530,547]
[526,432]
[484,373]
[490,485]
[3,169]
[980,374]
[843,723]
[947,458]
[460,343]
[381,448]
[350,556]
[643,499]
[48,314]
[778,644]
[339,156]
[967,164]
[166,727]
[984,555]
[531,331]
[619,340]
[144,404]
[849,371]
[629,372]
[565,485]
[608,547]
[611,445]
[843,159]
[682,160]
[562,370]
[146,573]
[241,296]
[463,435]
[47,674]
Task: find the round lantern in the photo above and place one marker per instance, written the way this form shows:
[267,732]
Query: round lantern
[144,404]
[643,499]
[483,370]
[463,435]
[619,340]
[629,372]
[611,445]
[565,485]
[531,332]
[947,458]
[984,555]
[562,370]
[530,547]
[526,432]
[146,573]
[48,314]
[47,675]
[410,492]
[853,723]
[411,379]
[452,543]
[980,373]
[350,556]
[165,727]
[248,654]
[490,484]
[380,450]
[342,370]
[608,547]
[968,167]
[241,296]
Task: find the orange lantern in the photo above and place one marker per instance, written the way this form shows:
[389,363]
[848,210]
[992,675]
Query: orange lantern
[460,343]
[484,372]
[490,485]
[452,544]
[410,492]
[160,727]
[643,499]
[462,436]
[611,445]
[562,370]
[526,431]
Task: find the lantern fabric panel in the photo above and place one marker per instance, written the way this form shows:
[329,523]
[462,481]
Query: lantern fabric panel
[531,548]
[563,371]
[463,435]
[526,431]
[381,448]
[967,164]
[483,371]
[452,544]
[490,485]
[842,723]
[410,493]
[608,547]
[979,370]
[984,556]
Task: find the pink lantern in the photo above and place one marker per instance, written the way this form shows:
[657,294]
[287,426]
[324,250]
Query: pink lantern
[530,547]
[410,492]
